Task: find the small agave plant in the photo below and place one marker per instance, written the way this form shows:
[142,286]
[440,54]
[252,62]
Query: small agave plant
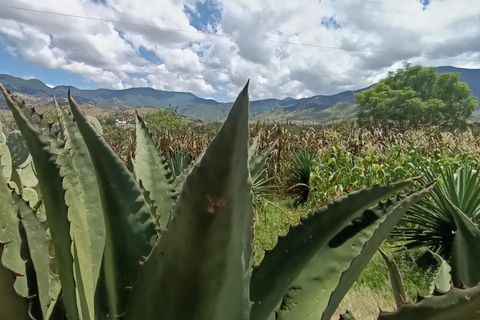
[146,245]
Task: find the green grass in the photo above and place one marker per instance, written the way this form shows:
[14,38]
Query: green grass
[273,220]
[416,278]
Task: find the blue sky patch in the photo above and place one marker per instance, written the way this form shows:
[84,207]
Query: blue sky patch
[206,13]
[149,55]
[425,3]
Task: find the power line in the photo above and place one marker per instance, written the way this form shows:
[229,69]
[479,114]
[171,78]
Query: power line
[235,37]
[98,19]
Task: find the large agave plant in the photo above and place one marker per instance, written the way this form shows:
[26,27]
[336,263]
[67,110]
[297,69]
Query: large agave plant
[446,221]
[113,261]
[430,222]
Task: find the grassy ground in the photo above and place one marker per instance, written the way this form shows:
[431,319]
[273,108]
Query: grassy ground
[372,289]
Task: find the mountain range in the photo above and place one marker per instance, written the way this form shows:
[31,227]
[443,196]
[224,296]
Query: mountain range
[319,108]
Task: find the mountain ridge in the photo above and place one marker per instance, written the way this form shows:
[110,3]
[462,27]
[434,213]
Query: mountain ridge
[192,106]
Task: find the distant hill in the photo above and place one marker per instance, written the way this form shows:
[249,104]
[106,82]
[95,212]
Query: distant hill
[319,108]
[106,98]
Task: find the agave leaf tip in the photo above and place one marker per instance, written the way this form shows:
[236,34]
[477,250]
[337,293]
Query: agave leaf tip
[245,89]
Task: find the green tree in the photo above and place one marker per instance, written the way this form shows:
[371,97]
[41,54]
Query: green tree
[166,120]
[415,95]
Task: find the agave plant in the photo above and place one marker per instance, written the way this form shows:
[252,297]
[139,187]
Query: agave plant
[444,303]
[113,262]
[179,162]
[461,271]
[262,186]
[430,222]
[301,170]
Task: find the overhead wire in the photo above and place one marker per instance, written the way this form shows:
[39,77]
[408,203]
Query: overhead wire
[429,57]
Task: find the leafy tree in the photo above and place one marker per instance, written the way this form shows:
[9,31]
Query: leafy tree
[166,120]
[415,95]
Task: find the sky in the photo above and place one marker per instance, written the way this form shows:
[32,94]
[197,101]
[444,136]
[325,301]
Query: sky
[288,48]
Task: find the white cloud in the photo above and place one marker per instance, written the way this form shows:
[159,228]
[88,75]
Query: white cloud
[383,36]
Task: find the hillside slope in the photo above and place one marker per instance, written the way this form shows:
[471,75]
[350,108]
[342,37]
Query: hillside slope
[319,108]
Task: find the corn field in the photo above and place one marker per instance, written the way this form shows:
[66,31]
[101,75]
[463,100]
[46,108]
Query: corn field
[376,146]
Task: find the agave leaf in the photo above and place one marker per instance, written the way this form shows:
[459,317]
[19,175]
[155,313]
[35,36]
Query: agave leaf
[257,162]
[285,262]
[9,233]
[84,209]
[200,268]
[319,289]
[465,251]
[50,183]
[15,178]
[443,278]
[27,176]
[12,185]
[85,302]
[130,230]
[56,305]
[253,147]
[5,161]
[395,279]
[35,243]
[180,180]
[56,309]
[456,304]
[3,139]
[151,170]
[49,132]
[262,188]
[18,149]
[96,124]
[12,305]
[30,196]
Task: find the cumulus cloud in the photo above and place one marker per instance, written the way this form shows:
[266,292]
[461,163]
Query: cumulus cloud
[286,48]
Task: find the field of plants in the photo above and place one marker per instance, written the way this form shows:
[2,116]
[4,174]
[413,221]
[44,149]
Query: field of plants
[311,166]
[155,222]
